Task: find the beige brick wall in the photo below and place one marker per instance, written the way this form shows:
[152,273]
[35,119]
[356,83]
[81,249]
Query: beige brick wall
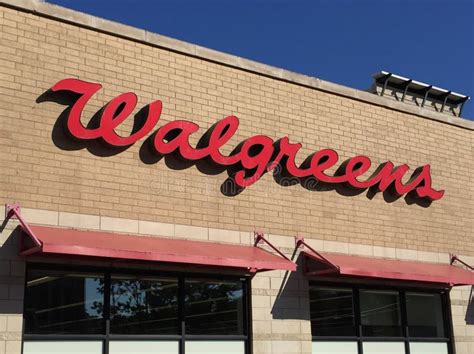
[120,193]
[12,282]
[463,319]
[37,52]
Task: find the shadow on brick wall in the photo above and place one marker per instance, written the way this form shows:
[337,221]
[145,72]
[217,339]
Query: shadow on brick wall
[292,300]
[470,309]
[12,273]
[65,141]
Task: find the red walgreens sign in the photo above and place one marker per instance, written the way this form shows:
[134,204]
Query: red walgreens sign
[253,157]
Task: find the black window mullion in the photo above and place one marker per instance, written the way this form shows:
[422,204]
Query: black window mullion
[357,318]
[248,318]
[181,315]
[448,321]
[404,320]
[244,307]
[107,290]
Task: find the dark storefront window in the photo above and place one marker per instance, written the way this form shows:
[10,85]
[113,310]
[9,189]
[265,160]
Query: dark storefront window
[64,303]
[425,315]
[214,307]
[143,305]
[332,312]
[356,320]
[108,312]
[380,313]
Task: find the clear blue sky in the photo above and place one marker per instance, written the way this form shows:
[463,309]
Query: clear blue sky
[342,41]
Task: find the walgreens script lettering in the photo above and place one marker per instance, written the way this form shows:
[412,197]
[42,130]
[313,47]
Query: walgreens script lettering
[250,160]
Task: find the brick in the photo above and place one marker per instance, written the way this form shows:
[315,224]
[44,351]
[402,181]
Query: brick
[405,254]
[81,221]
[118,225]
[4,267]
[3,292]
[282,241]
[261,301]
[43,217]
[16,291]
[432,257]
[3,323]
[361,250]
[334,246]
[384,252]
[262,347]
[13,347]
[191,232]
[155,228]
[17,268]
[225,236]
[14,323]
[246,238]
[286,347]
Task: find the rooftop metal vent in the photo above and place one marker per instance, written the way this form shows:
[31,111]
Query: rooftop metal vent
[418,93]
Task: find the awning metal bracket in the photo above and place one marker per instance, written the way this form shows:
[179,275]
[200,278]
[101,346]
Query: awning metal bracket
[333,268]
[425,94]
[405,89]
[13,211]
[259,238]
[454,258]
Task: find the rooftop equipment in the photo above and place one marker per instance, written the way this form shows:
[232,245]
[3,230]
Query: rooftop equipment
[418,93]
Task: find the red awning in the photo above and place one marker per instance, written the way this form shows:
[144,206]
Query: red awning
[370,267]
[56,241]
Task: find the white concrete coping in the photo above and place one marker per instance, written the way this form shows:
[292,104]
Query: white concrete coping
[42,8]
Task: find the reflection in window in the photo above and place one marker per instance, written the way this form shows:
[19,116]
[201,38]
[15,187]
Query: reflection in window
[214,307]
[143,305]
[425,315]
[380,313]
[64,303]
[332,312]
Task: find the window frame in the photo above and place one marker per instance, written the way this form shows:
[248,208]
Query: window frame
[402,290]
[181,337]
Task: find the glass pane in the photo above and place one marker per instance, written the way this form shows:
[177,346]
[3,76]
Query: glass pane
[57,347]
[214,307]
[143,305]
[425,315]
[428,348]
[215,347]
[64,303]
[144,347]
[332,312]
[334,348]
[380,313]
[384,348]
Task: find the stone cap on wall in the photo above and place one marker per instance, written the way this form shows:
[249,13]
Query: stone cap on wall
[42,8]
